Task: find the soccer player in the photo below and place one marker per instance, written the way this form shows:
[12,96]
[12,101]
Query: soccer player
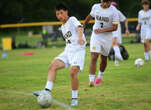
[106,21]
[144,17]
[73,54]
[117,36]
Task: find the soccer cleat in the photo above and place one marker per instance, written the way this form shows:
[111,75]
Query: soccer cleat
[91,84]
[37,93]
[74,102]
[98,81]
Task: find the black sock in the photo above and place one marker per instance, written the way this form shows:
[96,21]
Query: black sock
[47,90]
[74,98]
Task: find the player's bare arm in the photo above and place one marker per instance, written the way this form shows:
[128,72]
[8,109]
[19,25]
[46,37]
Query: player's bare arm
[138,27]
[113,28]
[88,18]
[80,35]
[126,26]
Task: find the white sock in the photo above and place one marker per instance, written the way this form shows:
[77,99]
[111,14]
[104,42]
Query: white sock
[146,55]
[116,62]
[116,50]
[91,78]
[100,74]
[74,94]
[49,85]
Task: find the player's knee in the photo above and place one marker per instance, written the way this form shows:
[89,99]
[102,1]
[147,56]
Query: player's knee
[53,67]
[94,57]
[74,71]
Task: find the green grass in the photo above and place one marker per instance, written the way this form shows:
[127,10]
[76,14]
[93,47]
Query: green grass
[124,88]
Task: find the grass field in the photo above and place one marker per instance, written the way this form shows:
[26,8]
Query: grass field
[124,88]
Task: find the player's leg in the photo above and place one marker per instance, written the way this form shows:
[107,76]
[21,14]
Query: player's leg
[116,47]
[93,64]
[105,49]
[146,49]
[144,40]
[77,64]
[103,65]
[54,66]
[149,49]
[95,52]
[59,62]
[74,84]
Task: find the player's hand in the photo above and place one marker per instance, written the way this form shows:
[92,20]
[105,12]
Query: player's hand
[127,32]
[137,28]
[81,41]
[84,25]
[98,31]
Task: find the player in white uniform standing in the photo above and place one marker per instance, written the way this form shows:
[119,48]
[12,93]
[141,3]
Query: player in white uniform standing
[117,35]
[144,18]
[75,46]
[106,21]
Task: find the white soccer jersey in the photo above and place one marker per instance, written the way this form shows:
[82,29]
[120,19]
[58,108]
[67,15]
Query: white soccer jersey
[144,19]
[104,18]
[74,53]
[70,33]
[117,34]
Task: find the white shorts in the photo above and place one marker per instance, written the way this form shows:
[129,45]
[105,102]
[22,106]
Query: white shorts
[145,34]
[100,44]
[118,36]
[75,58]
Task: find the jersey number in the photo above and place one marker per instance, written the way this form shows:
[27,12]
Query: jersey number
[101,25]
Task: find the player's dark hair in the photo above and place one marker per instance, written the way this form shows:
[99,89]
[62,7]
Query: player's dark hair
[145,2]
[61,6]
[107,0]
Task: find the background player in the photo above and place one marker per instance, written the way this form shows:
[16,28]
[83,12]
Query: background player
[117,35]
[75,46]
[106,21]
[144,16]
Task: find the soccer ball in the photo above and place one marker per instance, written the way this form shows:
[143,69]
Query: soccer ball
[44,100]
[139,62]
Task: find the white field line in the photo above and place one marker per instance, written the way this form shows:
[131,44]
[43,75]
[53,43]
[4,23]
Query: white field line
[30,94]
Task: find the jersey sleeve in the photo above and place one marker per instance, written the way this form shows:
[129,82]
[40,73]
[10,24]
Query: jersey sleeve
[75,22]
[92,13]
[139,18]
[115,17]
[122,18]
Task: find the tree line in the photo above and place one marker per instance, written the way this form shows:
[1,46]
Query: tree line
[18,11]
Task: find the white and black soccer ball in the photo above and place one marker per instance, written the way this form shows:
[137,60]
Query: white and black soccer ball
[44,100]
[139,62]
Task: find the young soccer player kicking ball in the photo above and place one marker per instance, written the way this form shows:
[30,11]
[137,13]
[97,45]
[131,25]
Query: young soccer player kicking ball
[106,21]
[144,17]
[117,36]
[73,54]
